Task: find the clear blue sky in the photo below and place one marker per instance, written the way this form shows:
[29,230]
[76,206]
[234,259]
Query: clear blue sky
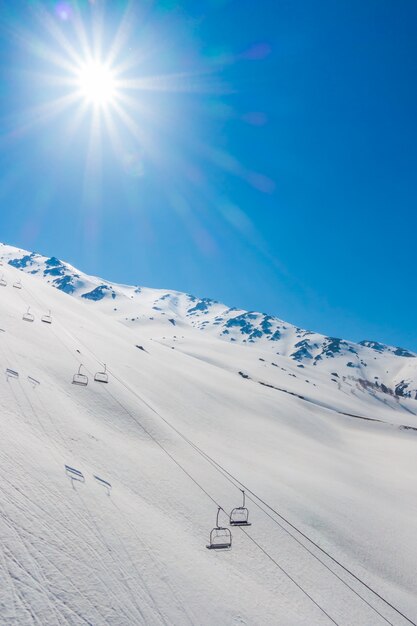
[274,169]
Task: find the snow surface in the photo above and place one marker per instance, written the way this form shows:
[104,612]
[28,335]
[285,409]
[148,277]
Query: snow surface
[322,444]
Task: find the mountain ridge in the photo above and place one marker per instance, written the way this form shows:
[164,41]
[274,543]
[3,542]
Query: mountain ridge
[134,305]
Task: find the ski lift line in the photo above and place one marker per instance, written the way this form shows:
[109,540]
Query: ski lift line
[202,453]
[219,507]
[188,474]
[241,485]
[302,545]
[368,587]
[231,478]
[234,480]
[204,490]
[316,545]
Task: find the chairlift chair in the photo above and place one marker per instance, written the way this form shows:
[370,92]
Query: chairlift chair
[33,381]
[47,319]
[240,515]
[3,281]
[102,377]
[28,316]
[11,373]
[103,483]
[74,474]
[80,379]
[220,537]
[18,284]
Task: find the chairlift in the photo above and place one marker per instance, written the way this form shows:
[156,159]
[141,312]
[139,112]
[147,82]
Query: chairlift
[220,537]
[18,284]
[103,483]
[28,316]
[74,474]
[240,515]
[47,319]
[80,379]
[33,381]
[102,377]
[3,281]
[11,374]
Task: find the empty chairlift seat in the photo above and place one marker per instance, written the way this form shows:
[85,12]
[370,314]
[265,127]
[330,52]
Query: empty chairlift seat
[103,483]
[240,515]
[28,316]
[11,374]
[3,282]
[80,379]
[102,377]
[18,284]
[74,474]
[47,319]
[220,537]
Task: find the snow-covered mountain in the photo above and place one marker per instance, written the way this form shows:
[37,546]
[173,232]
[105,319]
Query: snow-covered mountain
[369,365]
[201,402]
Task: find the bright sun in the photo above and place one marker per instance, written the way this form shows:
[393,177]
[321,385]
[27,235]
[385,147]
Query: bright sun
[97,84]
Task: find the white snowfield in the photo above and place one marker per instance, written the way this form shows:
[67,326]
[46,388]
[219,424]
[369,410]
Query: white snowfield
[187,419]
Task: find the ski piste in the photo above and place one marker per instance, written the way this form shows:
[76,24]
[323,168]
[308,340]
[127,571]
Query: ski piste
[109,492]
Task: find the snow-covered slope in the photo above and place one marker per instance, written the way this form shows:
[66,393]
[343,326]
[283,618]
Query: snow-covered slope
[324,445]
